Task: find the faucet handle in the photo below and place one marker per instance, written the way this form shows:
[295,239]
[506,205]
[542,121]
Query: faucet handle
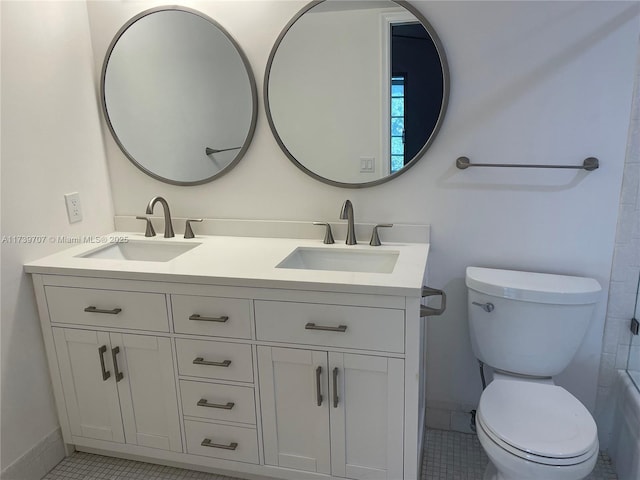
[375,238]
[188,231]
[328,235]
[149,231]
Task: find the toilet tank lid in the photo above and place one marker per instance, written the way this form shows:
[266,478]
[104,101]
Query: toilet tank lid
[534,287]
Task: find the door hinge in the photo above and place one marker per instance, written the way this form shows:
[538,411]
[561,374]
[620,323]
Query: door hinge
[635,326]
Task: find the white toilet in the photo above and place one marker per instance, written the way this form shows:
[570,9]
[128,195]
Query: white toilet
[528,326]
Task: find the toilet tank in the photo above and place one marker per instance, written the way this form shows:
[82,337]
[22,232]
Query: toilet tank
[528,323]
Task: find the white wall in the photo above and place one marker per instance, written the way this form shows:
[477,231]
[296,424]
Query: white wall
[51,145]
[618,345]
[531,82]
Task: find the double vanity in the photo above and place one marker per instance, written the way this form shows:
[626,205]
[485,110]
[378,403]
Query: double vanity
[249,356]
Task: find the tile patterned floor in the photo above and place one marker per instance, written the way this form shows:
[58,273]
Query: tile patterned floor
[459,456]
[452,455]
[449,456]
[86,466]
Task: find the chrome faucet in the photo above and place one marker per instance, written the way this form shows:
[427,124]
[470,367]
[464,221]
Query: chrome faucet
[168,227]
[346,213]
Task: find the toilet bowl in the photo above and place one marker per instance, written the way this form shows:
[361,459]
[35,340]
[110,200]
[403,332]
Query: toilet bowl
[528,326]
[535,430]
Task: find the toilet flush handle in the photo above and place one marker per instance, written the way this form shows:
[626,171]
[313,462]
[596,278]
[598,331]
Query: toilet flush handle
[487,307]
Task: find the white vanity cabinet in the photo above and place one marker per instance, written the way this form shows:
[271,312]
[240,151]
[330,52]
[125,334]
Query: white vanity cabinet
[216,376]
[242,380]
[92,400]
[119,387]
[327,411]
[332,413]
[219,418]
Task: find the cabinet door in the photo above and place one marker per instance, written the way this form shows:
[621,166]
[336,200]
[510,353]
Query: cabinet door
[367,416]
[295,408]
[147,390]
[91,400]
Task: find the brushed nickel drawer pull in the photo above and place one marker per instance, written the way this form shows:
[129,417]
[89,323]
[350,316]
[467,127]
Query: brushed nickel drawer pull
[204,403]
[208,443]
[313,326]
[202,361]
[318,386]
[101,351]
[113,311]
[114,355]
[335,387]
[221,319]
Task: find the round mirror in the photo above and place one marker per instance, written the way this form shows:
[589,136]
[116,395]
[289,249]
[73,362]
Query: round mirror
[355,91]
[179,96]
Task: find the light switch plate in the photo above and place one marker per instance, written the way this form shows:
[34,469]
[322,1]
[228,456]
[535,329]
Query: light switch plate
[367,164]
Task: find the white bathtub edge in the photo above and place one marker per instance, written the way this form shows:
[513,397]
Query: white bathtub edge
[625,438]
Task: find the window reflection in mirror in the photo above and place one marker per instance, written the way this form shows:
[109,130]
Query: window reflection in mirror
[397,153]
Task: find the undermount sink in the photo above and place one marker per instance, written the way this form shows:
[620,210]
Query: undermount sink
[342,260]
[141,251]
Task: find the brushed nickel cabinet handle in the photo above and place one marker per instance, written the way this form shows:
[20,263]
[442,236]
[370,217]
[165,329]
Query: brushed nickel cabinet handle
[202,361]
[313,326]
[114,355]
[208,443]
[335,387]
[101,351]
[113,311]
[318,386]
[200,318]
[225,406]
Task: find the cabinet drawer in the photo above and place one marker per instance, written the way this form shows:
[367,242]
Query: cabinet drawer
[222,441]
[366,328]
[224,361]
[216,316]
[218,402]
[111,308]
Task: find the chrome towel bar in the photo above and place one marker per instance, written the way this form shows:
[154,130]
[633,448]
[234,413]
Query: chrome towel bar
[589,164]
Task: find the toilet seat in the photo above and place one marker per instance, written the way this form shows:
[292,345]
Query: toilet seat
[539,422]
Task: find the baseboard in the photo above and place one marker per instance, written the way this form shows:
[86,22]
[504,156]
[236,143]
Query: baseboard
[448,416]
[38,461]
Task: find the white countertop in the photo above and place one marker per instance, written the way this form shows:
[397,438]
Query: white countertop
[244,262]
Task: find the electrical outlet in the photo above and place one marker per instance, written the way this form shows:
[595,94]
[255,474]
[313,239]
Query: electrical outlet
[74,208]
